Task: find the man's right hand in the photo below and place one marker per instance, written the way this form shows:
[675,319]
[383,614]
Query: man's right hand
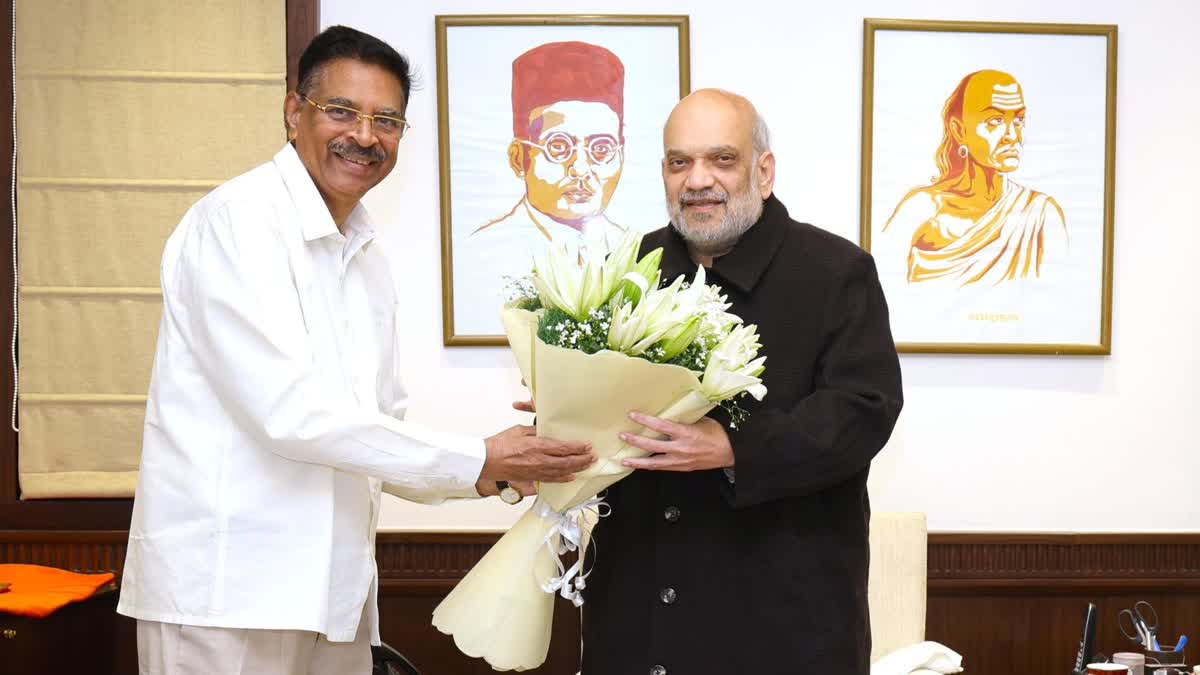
[517,454]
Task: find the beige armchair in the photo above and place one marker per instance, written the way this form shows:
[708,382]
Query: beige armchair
[897,588]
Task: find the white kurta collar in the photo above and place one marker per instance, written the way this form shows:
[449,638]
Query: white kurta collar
[315,220]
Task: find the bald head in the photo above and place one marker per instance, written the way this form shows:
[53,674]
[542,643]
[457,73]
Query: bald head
[717,168]
[716,114]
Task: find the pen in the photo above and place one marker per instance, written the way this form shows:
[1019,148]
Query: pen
[1182,641]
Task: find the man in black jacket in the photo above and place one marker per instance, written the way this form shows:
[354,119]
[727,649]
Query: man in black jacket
[744,550]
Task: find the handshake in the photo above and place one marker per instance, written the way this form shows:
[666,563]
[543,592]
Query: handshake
[519,457]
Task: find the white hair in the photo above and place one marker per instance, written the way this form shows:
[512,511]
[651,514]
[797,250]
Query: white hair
[760,136]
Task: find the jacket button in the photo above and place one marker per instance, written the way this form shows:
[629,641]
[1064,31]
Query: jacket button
[658,670]
[668,595]
[671,514]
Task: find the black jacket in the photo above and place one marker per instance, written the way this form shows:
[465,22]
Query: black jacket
[700,576]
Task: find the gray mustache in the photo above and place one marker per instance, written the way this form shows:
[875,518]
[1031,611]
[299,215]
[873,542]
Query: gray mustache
[703,195]
[354,151]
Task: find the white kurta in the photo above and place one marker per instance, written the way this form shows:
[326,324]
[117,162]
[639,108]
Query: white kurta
[274,412]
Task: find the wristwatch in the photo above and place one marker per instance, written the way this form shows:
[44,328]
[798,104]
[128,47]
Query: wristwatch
[508,493]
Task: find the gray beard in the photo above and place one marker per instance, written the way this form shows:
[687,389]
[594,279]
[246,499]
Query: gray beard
[742,211]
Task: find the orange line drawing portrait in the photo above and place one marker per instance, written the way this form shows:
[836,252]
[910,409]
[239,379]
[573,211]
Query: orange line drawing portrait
[549,135]
[973,224]
[568,148]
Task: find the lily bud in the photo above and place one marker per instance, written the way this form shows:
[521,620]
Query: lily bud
[679,338]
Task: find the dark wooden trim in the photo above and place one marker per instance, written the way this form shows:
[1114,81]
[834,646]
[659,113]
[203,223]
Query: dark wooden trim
[1063,562]
[78,551]
[303,20]
[303,23]
[8,437]
[68,514]
[429,556]
[955,560]
[1008,602]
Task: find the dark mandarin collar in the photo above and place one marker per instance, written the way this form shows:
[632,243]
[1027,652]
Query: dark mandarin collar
[745,264]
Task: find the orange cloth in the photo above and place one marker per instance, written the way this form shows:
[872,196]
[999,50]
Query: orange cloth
[38,591]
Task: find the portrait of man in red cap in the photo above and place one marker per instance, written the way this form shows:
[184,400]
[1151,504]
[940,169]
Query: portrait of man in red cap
[567,148]
[550,134]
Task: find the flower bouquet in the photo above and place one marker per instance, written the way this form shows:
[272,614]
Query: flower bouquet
[594,339]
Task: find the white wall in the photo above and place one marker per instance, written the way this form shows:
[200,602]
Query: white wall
[985,443]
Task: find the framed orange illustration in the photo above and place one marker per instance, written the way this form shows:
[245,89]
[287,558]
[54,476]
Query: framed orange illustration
[550,133]
[987,187]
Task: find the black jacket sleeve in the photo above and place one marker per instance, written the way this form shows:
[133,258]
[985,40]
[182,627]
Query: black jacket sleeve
[834,432]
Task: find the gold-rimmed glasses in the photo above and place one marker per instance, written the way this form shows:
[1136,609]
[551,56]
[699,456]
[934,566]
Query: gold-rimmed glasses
[384,125]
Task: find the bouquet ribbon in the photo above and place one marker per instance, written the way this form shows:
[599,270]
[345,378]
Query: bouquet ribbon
[568,529]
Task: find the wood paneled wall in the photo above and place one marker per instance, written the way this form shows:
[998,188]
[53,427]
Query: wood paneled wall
[1008,603]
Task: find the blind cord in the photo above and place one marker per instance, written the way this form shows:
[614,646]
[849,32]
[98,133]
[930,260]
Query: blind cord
[12,202]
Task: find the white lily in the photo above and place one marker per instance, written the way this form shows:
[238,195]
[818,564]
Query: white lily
[645,276]
[619,264]
[579,285]
[562,282]
[733,366]
[635,328]
[679,338]
[555,288]
[706,301]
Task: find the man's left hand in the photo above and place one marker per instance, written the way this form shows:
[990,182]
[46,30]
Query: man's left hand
[687,447]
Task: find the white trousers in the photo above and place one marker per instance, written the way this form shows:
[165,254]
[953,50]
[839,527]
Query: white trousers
[174,649]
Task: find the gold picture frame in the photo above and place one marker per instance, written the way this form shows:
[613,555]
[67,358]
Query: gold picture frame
[561,114]
[973,260]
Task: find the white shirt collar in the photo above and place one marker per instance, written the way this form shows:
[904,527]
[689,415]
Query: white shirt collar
[315,219]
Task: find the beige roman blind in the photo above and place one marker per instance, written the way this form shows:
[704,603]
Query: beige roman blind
[128,111]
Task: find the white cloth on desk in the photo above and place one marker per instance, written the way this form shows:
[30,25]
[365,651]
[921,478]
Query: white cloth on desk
[274,412]
[923,657]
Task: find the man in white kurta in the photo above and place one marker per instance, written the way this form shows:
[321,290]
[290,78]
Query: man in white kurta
[275,414]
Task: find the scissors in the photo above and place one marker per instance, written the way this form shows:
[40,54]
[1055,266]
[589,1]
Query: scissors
[1140,624]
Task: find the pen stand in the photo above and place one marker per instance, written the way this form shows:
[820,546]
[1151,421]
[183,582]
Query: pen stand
[1164,657]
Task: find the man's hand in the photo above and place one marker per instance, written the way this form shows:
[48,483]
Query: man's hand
[687,447]
[517,454]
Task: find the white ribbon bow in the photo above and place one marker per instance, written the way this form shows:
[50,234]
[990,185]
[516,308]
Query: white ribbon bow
[568,526]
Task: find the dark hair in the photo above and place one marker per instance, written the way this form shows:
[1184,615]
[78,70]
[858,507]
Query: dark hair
[343,42]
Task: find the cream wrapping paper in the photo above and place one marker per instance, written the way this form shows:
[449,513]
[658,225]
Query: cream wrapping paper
[503,609]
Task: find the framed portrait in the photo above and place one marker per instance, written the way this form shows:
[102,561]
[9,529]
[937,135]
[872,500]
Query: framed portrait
[987,183]
[550,133]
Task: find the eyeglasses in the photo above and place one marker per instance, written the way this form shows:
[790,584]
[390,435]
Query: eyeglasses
[560,147]
[384,125]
